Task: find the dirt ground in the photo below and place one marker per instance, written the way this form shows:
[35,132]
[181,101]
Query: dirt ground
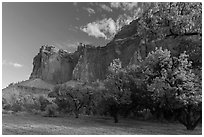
[28,124]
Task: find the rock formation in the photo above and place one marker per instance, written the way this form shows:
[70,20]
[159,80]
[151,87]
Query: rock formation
[53,65]
[90,63]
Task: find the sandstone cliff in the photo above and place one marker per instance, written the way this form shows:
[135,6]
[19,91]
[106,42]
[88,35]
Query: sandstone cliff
[53,65]
[94,62]
[90,63]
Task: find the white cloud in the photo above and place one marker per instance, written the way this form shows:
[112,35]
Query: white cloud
[17,65]
[106,8]
[93,30]
[105,28]
[13,64]
[90,10]
[124,5]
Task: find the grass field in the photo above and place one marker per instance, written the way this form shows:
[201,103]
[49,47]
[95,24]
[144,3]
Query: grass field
[35,124]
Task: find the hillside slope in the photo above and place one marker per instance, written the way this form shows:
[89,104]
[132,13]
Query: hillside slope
[34,87]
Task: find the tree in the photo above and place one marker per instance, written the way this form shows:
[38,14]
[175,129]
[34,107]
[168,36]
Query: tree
[116,94]
[162,20]
[136,84]
[165,19]
[174,86]
[78,95]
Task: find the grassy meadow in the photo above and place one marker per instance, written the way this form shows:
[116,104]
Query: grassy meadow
[27,124]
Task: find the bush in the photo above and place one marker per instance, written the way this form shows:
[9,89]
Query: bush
[7,107]
[27,103]
[17,106]
[64,105]
[145,114]
[43,102]
[73,99]
[5,104]
[51,110]
[30,103]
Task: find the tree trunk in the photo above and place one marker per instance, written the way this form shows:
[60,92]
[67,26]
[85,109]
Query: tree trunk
[190,127]
[187,119]
[116,118]
[78,105]
[114,112]
[76,114]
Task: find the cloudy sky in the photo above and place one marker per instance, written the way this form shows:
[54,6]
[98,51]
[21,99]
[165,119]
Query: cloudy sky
[28,26]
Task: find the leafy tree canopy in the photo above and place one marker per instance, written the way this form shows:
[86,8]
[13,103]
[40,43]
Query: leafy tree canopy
[174,85]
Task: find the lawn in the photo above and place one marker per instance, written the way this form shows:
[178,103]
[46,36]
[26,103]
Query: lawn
[37,125]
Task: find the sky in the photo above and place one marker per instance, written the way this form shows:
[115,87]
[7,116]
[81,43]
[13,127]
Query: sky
[28,26]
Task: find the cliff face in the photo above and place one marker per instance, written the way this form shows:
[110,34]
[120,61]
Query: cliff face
[94,62]
[90,63]
[53,65]
[129,48]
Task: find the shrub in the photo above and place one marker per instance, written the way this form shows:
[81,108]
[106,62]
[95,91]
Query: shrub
[30,102]
[27,103]
[72,98]
[5,104]
[145,114]
[16,107]
[43,102]
[64,105]
[51,110]
[15,104]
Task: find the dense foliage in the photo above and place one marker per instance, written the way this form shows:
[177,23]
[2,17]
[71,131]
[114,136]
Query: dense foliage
[116,95]
[171,19]
[29,103]
[174,86]
[161,83]
[75,98]
[162,20]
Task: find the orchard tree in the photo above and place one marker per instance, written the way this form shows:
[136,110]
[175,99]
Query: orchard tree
[174,86]
[79,96]
[136,84]
[116,95]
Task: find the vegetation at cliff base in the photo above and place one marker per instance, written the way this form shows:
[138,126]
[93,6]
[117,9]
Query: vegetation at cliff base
[161,85]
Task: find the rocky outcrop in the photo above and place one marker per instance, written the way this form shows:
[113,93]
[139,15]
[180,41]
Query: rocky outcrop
[93,63]
[54,65]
